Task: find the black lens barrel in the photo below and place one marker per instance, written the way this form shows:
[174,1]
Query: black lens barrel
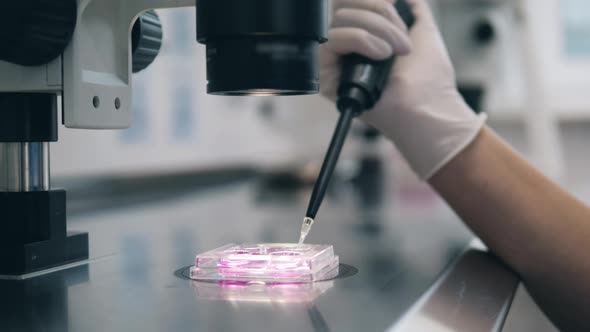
[262,47]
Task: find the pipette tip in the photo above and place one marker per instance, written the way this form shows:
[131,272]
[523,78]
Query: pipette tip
[305,228]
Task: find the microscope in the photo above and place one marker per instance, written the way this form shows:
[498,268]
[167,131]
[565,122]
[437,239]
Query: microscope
[77,57]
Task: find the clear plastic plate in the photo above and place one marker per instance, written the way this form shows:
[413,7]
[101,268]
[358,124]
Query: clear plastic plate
[267,263]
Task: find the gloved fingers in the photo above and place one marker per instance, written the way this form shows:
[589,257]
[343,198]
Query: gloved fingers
[382,7]
[355,40]
[377,25]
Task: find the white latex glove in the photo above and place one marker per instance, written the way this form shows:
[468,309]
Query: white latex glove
[420,109]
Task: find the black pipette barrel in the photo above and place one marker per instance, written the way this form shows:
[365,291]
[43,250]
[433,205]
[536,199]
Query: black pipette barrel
[330,161]
[361,84]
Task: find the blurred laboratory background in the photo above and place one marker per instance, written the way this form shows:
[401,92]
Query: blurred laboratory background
[525,63]
[189,154]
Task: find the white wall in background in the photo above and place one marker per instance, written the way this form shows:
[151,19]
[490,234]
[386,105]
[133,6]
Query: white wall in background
[561,24]
[495,66]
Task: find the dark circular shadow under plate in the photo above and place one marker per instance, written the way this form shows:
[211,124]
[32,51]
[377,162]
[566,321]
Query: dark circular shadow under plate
[344,271]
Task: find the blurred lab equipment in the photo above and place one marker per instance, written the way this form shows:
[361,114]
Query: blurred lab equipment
[499,49]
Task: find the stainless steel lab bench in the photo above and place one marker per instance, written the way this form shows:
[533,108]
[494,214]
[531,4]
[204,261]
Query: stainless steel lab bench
[407,261]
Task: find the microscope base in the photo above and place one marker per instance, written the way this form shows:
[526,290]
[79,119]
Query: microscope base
[33,234]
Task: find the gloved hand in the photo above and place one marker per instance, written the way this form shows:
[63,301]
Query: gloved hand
[420,109]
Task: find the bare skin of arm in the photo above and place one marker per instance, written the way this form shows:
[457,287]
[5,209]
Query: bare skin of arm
[539,230]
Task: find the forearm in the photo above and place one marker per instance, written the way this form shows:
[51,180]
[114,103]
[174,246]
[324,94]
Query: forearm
[535,227]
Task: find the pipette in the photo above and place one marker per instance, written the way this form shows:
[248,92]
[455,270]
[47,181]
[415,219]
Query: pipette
[361,84]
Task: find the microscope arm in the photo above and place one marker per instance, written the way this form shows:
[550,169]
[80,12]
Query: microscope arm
[97,63]
[96,67]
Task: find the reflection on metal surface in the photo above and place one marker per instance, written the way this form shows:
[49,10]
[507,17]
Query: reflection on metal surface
[41,303]
[474,295]
[134,289]
[266,293]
